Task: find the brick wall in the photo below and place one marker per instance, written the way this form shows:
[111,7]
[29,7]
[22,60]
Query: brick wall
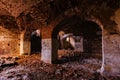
[9,42]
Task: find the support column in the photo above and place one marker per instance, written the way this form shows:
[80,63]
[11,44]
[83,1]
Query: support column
[101,70]
[22,42]
[24,45]
[49,50]
[112,54]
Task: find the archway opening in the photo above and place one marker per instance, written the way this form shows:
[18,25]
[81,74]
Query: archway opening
[35,39]
[77,36]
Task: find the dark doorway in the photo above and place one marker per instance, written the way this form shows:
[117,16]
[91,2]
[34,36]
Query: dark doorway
[35,42]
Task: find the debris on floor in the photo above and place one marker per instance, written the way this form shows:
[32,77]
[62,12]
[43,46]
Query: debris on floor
[30,67]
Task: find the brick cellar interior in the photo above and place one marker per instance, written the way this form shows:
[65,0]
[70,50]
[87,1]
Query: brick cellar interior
[59,39]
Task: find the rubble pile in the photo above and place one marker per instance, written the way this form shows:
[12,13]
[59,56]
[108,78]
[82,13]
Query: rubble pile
[8,61]
[30,67]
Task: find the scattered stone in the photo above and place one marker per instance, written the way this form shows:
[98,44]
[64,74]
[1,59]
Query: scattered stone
[58,71]
[16,57]
[2,57]
[9,58]
[7,62]
[31,68]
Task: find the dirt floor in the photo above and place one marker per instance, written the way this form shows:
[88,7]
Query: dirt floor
[30,67]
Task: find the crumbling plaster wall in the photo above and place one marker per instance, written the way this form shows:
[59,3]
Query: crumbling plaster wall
[9,35]
[112,53]
[9,41]
[112,47]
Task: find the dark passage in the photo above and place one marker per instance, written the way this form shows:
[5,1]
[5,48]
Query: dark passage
[35,43]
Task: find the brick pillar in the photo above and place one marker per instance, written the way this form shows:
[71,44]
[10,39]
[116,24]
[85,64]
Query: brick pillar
[112,54]
[49,50]
[24,45]
[21,43]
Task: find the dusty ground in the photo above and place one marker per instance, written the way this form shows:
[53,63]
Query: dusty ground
[30,67]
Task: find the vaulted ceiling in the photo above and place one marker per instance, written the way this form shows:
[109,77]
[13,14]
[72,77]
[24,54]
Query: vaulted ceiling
[44,11]
[15,7]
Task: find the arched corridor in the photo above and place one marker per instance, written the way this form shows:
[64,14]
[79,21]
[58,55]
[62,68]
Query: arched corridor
[76,39]
[78,35]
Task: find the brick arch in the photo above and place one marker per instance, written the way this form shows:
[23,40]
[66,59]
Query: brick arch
[92,19]
[25,42]
[64,21]
[61,18]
